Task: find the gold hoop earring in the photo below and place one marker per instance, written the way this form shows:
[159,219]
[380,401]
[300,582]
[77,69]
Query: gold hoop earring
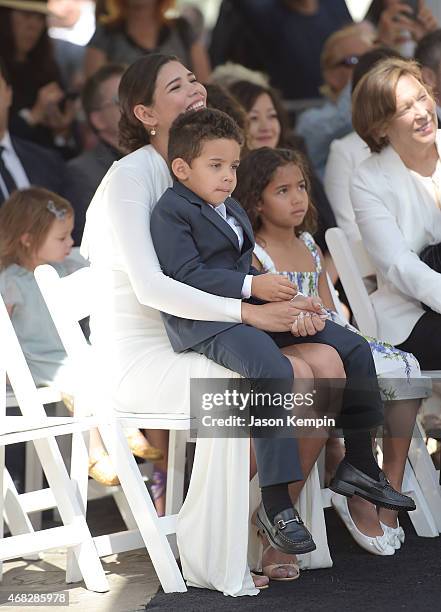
[153,132]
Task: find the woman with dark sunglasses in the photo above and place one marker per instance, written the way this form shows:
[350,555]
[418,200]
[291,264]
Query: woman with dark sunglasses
[320,126]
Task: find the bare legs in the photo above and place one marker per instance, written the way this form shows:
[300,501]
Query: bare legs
[159,439]
[324,362]
[395,449]
[327,364]
[285,568]
[400,415]
[309,361]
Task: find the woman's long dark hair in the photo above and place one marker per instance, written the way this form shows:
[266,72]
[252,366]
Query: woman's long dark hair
[138,86]
[220,98]
[41,58]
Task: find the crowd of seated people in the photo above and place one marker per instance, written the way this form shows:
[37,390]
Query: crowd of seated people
[62,128]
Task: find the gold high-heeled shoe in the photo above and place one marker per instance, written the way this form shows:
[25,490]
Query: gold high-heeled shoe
[101,469]
[68,401]
[260,582]
[288,567]
[141,448]
[271,569]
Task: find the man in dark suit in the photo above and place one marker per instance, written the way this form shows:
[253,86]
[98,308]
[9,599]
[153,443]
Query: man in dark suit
[23,163]
[283,38]
[204,238]
[85,172]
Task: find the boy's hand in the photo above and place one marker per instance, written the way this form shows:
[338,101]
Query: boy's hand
[272,287]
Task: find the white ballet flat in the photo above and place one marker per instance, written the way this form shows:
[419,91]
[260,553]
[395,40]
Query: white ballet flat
[395,535]
[377,545]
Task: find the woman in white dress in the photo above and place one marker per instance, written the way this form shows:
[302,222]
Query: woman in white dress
[127,330]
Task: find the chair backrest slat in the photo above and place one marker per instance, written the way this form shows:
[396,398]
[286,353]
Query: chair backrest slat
[77,292]
[353,264]
[14,362]
[69,300]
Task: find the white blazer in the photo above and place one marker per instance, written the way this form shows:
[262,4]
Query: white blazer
[396,224]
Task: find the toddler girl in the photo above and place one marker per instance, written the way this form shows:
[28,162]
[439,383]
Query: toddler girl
[35,228]
[274,189]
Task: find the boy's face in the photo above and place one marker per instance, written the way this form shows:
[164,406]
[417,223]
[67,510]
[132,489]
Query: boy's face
[212,175]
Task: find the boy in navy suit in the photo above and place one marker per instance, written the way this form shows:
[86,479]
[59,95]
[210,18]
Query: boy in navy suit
[204,238]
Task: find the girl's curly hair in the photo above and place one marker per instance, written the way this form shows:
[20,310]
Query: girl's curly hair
[254,174]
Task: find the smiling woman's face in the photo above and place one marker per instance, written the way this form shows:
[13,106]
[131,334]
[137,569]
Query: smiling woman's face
[415,123]
[263,124]
[176,91]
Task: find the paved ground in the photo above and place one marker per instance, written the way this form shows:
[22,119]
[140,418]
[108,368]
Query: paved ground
[131,576]
[407,581]
[133,581]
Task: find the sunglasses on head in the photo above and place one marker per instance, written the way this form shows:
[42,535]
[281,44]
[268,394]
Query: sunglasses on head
[350,61]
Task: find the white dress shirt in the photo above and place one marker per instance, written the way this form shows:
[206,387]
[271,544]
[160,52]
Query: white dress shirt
[13,164]
[429,187]
[221,210]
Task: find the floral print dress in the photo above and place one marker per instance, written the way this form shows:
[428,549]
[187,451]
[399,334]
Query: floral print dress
[399,372]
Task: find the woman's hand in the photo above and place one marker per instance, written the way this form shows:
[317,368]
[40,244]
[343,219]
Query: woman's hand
[425,22]
[393,21]
[280,316]
[48,96]
[307,324]
[309,304]
[398,18]
[311,318]
[60,121]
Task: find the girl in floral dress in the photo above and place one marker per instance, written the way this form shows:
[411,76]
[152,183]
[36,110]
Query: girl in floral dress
[273,187]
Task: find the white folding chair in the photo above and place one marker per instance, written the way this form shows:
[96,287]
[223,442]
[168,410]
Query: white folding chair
[353,265]
[36,426]
[33,475]
[69,301]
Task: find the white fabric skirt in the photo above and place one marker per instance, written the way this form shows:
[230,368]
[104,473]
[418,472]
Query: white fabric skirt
[213,524]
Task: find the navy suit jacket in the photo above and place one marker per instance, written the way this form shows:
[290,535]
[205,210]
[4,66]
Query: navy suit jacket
[197,247]
[43,167]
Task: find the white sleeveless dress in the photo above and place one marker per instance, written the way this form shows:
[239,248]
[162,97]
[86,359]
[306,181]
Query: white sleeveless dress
[146,375]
